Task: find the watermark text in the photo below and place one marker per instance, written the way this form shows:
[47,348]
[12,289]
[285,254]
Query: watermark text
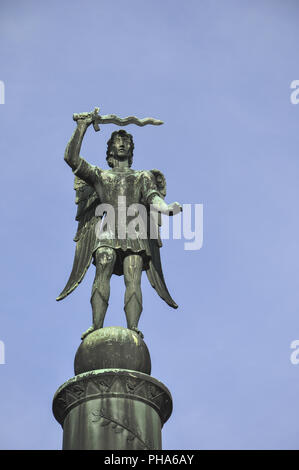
[140,222]
[2,352]
[294,97]
[2,92]
[294,357]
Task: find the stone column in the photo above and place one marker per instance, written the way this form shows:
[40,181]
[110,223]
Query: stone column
[112,408]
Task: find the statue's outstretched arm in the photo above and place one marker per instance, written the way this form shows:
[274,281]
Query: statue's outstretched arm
[160,205]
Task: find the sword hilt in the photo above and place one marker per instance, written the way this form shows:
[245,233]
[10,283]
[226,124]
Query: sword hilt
[94,115]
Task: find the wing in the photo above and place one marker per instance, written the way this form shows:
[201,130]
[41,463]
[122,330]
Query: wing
[85,238]
[155,273]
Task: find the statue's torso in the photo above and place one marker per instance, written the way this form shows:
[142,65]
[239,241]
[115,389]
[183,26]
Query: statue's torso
[121,188]
[116,183]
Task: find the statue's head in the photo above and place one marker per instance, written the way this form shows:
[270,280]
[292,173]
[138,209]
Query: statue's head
[120,145]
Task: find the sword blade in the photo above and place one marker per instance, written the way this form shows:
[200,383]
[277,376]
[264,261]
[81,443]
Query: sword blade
[113,119]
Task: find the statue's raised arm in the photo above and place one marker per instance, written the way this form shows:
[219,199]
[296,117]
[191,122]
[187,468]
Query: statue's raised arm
[72,151]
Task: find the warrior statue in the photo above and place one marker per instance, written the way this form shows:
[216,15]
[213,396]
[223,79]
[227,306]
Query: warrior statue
[110,251]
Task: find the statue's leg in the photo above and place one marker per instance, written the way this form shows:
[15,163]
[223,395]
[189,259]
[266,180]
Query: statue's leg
[105,258]
[133,296]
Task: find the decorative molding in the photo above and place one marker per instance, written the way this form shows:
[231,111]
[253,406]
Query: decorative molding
[112,383]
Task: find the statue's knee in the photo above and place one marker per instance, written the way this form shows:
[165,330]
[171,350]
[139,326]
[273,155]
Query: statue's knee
[105,256]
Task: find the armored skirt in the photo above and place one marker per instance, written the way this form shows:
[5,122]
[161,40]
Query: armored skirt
[123,248]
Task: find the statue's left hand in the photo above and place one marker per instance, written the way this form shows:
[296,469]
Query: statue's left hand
[174,208]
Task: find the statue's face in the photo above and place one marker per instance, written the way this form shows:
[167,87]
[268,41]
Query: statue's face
[121,146]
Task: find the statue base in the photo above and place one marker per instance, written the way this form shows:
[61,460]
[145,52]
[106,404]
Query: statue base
[112,409]
[112,347]
[112,403]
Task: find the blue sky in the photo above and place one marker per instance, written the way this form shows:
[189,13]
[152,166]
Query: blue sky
[218,73]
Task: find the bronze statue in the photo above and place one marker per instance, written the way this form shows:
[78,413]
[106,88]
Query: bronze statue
[113,252]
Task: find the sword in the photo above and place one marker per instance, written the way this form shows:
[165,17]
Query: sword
[113,119]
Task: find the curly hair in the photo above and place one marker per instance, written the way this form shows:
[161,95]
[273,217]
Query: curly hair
[110,154]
